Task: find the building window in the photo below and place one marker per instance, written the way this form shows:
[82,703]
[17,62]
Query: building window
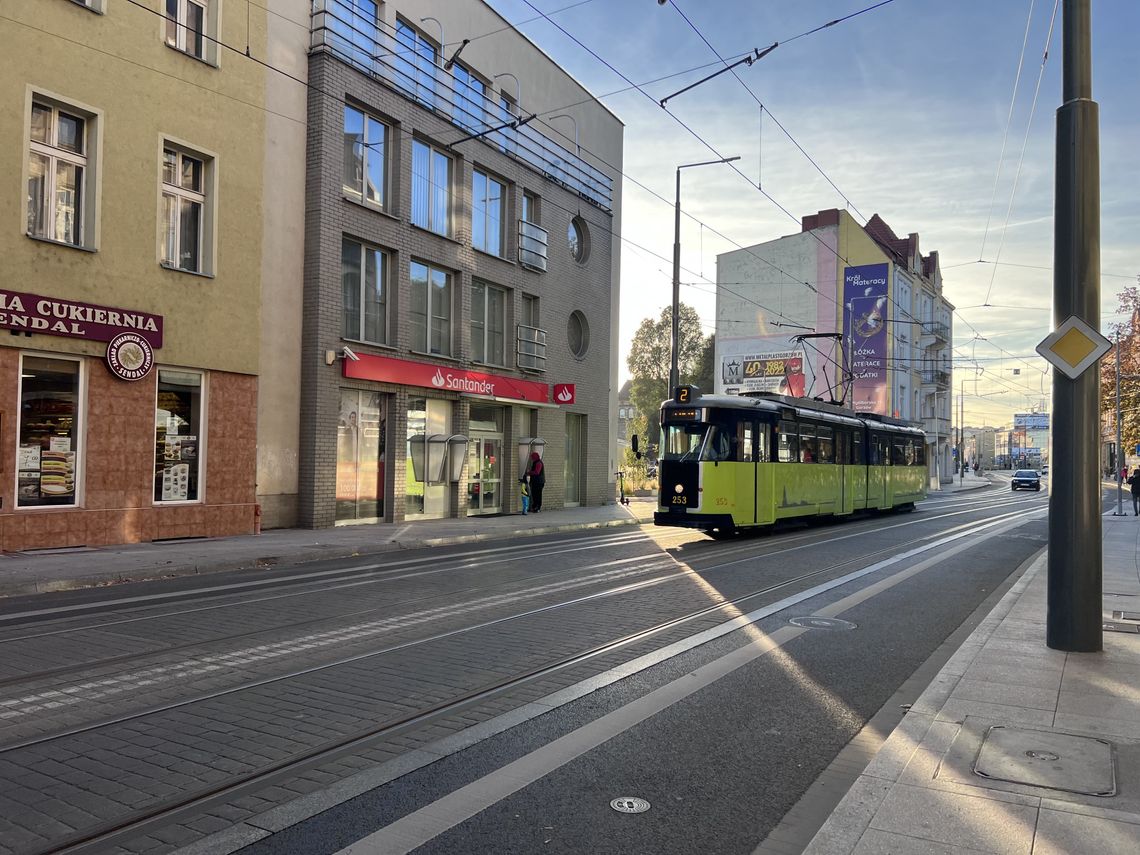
[530,207]
[531,344]
[578,334]
[431,309]
[47,459]
[360,438]
[469,95]
[190,27]
[431,188]
[415,63]
[365,140]
[178,433]
[57,174]
[487,213]
[577,238]
[183,210]
[508,112]
[364,285]
[488,323]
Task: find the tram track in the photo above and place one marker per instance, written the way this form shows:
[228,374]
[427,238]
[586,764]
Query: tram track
[129,824]
[780,545]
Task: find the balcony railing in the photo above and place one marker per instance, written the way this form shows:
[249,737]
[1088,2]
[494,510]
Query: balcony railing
[532,246]
[372,48]
[531,348]
[940,379]
[939,331]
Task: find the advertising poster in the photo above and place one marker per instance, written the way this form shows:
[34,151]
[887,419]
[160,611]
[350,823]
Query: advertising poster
[865,314]
[778,371]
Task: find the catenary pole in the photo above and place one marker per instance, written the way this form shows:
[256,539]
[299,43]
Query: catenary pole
[1118,456]
[1074,611]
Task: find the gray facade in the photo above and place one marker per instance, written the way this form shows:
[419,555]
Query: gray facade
[334,215]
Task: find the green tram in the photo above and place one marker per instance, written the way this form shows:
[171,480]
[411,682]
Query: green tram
[733,462]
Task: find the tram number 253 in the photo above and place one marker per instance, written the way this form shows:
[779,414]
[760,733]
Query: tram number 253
[678,500]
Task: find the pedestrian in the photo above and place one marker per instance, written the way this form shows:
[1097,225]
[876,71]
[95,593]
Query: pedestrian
[536,478]
[1134,485]
[525,496]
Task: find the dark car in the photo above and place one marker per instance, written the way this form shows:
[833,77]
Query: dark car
[1026,479]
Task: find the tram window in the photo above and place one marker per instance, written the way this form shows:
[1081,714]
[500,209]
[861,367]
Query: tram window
[843,446]
[826,445]
[899,448]
[682,441]
[788,442]
[860,458]
[718,445]
[744,440]
[919,452]
[762,443]
[875,451]
[809,446]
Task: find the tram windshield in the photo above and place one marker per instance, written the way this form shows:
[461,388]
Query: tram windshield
[696,442]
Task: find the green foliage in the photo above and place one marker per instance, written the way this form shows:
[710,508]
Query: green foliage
[649,358]
[1128,333]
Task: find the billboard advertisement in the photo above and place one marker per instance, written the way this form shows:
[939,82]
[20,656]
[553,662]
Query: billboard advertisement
[777,371]
[865,295]
[1031,421]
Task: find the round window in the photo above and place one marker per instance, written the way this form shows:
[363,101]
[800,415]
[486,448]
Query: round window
[577,238]
[578,334]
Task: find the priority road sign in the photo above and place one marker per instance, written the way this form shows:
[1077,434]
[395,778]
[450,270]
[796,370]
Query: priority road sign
[1073,347]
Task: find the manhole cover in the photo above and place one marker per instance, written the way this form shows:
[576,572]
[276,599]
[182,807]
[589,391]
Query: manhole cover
[1056,761]
[810,622]
[630,804]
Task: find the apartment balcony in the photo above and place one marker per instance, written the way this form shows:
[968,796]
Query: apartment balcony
[532,246]
[530,348]
[372,48]
[934,333]
[938,379]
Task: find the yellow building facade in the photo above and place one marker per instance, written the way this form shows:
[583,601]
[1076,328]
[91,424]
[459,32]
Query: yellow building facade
[133,233]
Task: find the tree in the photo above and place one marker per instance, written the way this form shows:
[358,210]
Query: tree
[1128,352]
[649,358]
[704,375]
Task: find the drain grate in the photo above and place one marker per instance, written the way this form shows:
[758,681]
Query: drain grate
[1055,761]
[812,622]
[630,804]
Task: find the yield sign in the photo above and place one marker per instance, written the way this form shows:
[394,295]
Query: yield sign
[1073,347]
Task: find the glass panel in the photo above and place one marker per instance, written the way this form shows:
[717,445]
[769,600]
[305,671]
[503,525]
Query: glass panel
[41,123]
[478,322]
[169,229]
[420,184]
[440,168]
[419,284]
[360,456]
[350,288]
[491,473]
[170,167]
[574,241]
[68,185]
[70,133]
[496,324]
[47,458]
[417,429]
[191,174]
[195,27]
[788,443]
[189,230]
[172,22]
[526,208]
[374,157]
[474,471]
[484,418]
[479,211]
[38,167]
[494,217]
[177,436]
[353,150]
[375,317]
[440,313]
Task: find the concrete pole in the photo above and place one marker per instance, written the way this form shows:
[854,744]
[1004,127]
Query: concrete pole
[1116,466]
[1074,615]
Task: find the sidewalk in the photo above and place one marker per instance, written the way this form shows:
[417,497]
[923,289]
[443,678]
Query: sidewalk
[1054,731]
[40,571]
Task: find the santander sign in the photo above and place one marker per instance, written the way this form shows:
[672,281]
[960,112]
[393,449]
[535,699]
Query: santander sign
[386,369]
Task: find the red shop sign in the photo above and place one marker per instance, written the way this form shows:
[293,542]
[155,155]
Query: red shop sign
[444,377]
[53,316]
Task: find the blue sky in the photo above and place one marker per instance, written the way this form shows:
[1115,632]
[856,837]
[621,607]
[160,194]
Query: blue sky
[903,107]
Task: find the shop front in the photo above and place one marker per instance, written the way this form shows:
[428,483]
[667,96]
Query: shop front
[105,444]
[457,434]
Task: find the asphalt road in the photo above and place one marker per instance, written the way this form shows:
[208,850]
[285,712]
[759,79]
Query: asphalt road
[490,699]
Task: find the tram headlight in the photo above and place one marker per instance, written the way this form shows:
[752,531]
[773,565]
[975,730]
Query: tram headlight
[678,489]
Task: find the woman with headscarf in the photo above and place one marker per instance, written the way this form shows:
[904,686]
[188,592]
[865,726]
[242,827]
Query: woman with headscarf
[536,476]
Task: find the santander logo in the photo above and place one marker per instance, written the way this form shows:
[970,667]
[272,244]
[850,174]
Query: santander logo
[437,379]
[564,393]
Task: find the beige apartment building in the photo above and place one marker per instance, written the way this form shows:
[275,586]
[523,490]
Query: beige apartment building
[133,232]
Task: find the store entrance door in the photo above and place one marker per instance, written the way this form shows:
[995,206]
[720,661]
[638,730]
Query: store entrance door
[485,465]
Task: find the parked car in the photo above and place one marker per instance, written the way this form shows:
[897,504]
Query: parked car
[1026,479]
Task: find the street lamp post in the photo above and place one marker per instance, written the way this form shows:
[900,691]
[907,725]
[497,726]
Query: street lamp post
[674,372]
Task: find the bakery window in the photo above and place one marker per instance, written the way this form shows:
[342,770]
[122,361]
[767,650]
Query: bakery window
[47,457]
[178,423]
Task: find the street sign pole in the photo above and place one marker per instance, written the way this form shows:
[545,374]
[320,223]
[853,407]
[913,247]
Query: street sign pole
[1074,617]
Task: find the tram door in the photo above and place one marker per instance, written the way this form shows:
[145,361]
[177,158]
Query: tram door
[878,456]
